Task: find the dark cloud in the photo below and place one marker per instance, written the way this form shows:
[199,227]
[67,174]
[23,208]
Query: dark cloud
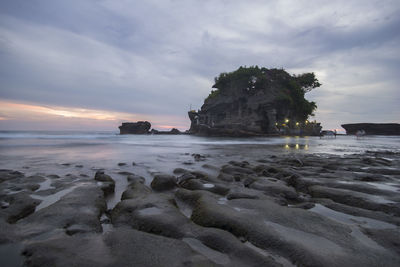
[158,57]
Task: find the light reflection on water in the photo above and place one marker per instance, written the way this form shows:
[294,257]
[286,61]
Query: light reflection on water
[161,153]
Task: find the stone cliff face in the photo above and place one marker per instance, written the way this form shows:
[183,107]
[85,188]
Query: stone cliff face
[253,102]
[373,128]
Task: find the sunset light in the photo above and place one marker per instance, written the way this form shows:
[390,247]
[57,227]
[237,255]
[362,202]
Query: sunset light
[39,114]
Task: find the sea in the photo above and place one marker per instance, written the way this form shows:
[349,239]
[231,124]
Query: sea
[45,151]
[81,154]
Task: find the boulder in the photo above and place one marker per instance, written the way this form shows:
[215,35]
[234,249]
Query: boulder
[163,182]
[106,182]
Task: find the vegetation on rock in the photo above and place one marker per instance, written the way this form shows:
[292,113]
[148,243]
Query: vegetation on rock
[292,88]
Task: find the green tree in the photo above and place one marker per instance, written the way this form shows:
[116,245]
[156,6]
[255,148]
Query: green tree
[292,87]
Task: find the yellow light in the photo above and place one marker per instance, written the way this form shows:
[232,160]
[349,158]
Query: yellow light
[297,146]
[297,124]
[306,121]
[286,120]
[276,124]
[283,124]
[287,146]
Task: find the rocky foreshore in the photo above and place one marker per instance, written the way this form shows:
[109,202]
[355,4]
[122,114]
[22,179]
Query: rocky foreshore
[286,210]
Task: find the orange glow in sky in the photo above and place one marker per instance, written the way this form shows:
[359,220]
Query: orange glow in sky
[15,111]
[11,110]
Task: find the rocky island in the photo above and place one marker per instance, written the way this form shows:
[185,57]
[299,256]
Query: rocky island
[373,128]
[254,101]
[140,127]
[143,127]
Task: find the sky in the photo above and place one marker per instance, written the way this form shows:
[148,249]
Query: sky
[90,65]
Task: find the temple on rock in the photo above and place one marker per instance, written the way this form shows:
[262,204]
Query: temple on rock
[255,101]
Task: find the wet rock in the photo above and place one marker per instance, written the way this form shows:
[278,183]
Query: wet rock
[236,170]
[195,184]
[384,171]
[188,196]
[249,180]
[199,157]
[136,189]
[237,195]
[6,175]
[135,178]
[8,232]
[373,178]
[274,188]
[4,204]
[355,199]
[387,238]
[19,206]
[299,183]
[271,227]
[226,177]
[32,187]
[239,254]
[78,229]
[306,206]
[153,213]
[102,177]
[192,184]
[242,164]
[376,215]
[136,248]
[200,175]
[185,177]
[180,171]
[106,182]
[82,206]
[122,164]
[211,167]
[163,182]
[125,173]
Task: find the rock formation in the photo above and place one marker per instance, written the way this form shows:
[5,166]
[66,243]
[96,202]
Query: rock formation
[140,127]
[173,131]
[373,128]
[143,127]
[257,101]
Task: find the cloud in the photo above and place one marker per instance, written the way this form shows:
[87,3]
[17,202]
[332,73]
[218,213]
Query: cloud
[157,58]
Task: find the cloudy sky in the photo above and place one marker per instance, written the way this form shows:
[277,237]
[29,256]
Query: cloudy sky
[89,65]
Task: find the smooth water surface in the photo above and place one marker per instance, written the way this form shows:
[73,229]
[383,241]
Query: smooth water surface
[85,152]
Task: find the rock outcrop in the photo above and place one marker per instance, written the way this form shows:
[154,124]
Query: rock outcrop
[257,101]
[140,127]
[173,131]
[373,128]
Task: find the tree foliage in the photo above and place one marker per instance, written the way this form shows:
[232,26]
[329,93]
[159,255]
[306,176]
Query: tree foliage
[292,87]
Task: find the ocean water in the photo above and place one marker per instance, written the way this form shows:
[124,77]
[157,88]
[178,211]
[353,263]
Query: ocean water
[85,152]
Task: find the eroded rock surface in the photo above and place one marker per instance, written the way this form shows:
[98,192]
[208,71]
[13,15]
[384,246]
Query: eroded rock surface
[288,210]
